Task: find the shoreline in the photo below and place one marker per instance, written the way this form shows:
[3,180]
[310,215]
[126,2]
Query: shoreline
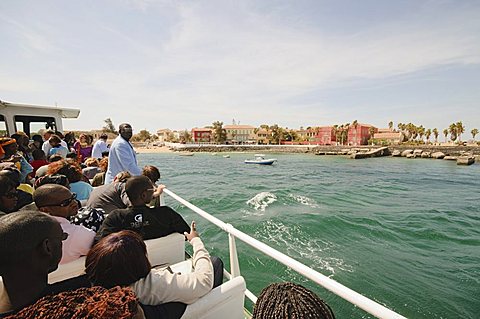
[314,149]
[449,151]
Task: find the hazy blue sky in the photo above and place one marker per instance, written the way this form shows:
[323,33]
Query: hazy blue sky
[180,64]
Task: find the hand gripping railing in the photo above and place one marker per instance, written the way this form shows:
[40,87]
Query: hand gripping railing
[340,290]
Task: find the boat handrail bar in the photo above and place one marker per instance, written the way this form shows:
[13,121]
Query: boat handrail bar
[340,290]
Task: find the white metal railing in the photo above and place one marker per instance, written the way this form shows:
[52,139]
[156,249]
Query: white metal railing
[340,290]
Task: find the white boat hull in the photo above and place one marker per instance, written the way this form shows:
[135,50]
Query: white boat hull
[261,162]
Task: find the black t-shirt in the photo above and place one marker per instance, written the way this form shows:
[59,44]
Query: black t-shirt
[149,222]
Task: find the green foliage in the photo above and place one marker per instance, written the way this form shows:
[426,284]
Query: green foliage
[474,133]
[109,127]
[142,136]
[171,138]
[277,134]
[185,137]
[219,133]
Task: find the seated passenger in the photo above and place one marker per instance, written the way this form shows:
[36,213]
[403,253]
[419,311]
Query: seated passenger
[289,300]
[30,248]
[73,172]
[154,175]
[24,191]
[92,303]
[111,196]
[56,147]
[149,222]
[8,196]
[99,178]
[39,160]
[42,170]
[121,259]
[92,168]
[60,203]
[9,152]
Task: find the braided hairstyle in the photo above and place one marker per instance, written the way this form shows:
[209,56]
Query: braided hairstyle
[289,300]
[83,303]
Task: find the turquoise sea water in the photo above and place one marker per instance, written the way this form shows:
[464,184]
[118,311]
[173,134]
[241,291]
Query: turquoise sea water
[405,233]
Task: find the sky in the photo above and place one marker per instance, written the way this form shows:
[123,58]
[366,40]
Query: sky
[183,64]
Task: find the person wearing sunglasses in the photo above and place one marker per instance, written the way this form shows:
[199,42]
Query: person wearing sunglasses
[149,222]
[8,195]
[59,202]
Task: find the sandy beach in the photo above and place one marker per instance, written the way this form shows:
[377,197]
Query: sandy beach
[153,149]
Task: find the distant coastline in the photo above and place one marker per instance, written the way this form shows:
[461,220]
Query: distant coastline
[309,149]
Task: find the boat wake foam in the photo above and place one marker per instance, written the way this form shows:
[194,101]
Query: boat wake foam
[314,252]
[261,201]
[304,200]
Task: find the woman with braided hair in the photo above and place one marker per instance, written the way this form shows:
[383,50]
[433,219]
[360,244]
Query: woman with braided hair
[91,303]
[289,300]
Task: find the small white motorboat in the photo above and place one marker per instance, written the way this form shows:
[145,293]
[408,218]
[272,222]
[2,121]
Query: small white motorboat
[226,156]
[260,160]
[186,153]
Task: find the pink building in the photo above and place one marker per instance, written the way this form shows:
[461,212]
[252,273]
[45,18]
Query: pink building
[359,135]
[325,136]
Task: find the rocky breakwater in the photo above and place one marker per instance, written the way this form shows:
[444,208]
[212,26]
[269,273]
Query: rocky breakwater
[463,158]
[382,151]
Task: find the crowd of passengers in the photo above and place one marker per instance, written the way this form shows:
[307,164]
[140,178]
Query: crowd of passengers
[55,207]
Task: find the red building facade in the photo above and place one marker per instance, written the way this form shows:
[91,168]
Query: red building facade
[359,135]
[202,135]
[325,136]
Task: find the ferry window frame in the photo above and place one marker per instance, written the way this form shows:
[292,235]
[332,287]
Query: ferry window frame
[3,126]
[48,122]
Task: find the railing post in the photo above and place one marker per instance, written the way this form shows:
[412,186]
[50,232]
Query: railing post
[234,266]
[162,199]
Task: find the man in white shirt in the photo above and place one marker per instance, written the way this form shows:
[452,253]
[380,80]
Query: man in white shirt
[46,145]
[59,202]
[121,157]
[100,146]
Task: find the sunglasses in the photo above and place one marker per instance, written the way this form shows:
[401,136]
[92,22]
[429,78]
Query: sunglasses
[65,202]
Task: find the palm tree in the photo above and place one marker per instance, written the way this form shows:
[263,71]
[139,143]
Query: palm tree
[460,130]
[346,128]
[445,133]
[421,132]
[427,135]
[453,131]
[390,125]
[435,133]
[355,124]
[185,137]
[219,133]
[474,133]
[335,130]
[371,130]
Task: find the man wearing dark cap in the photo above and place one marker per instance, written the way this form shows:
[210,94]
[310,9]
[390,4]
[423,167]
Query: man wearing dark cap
[122,155]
